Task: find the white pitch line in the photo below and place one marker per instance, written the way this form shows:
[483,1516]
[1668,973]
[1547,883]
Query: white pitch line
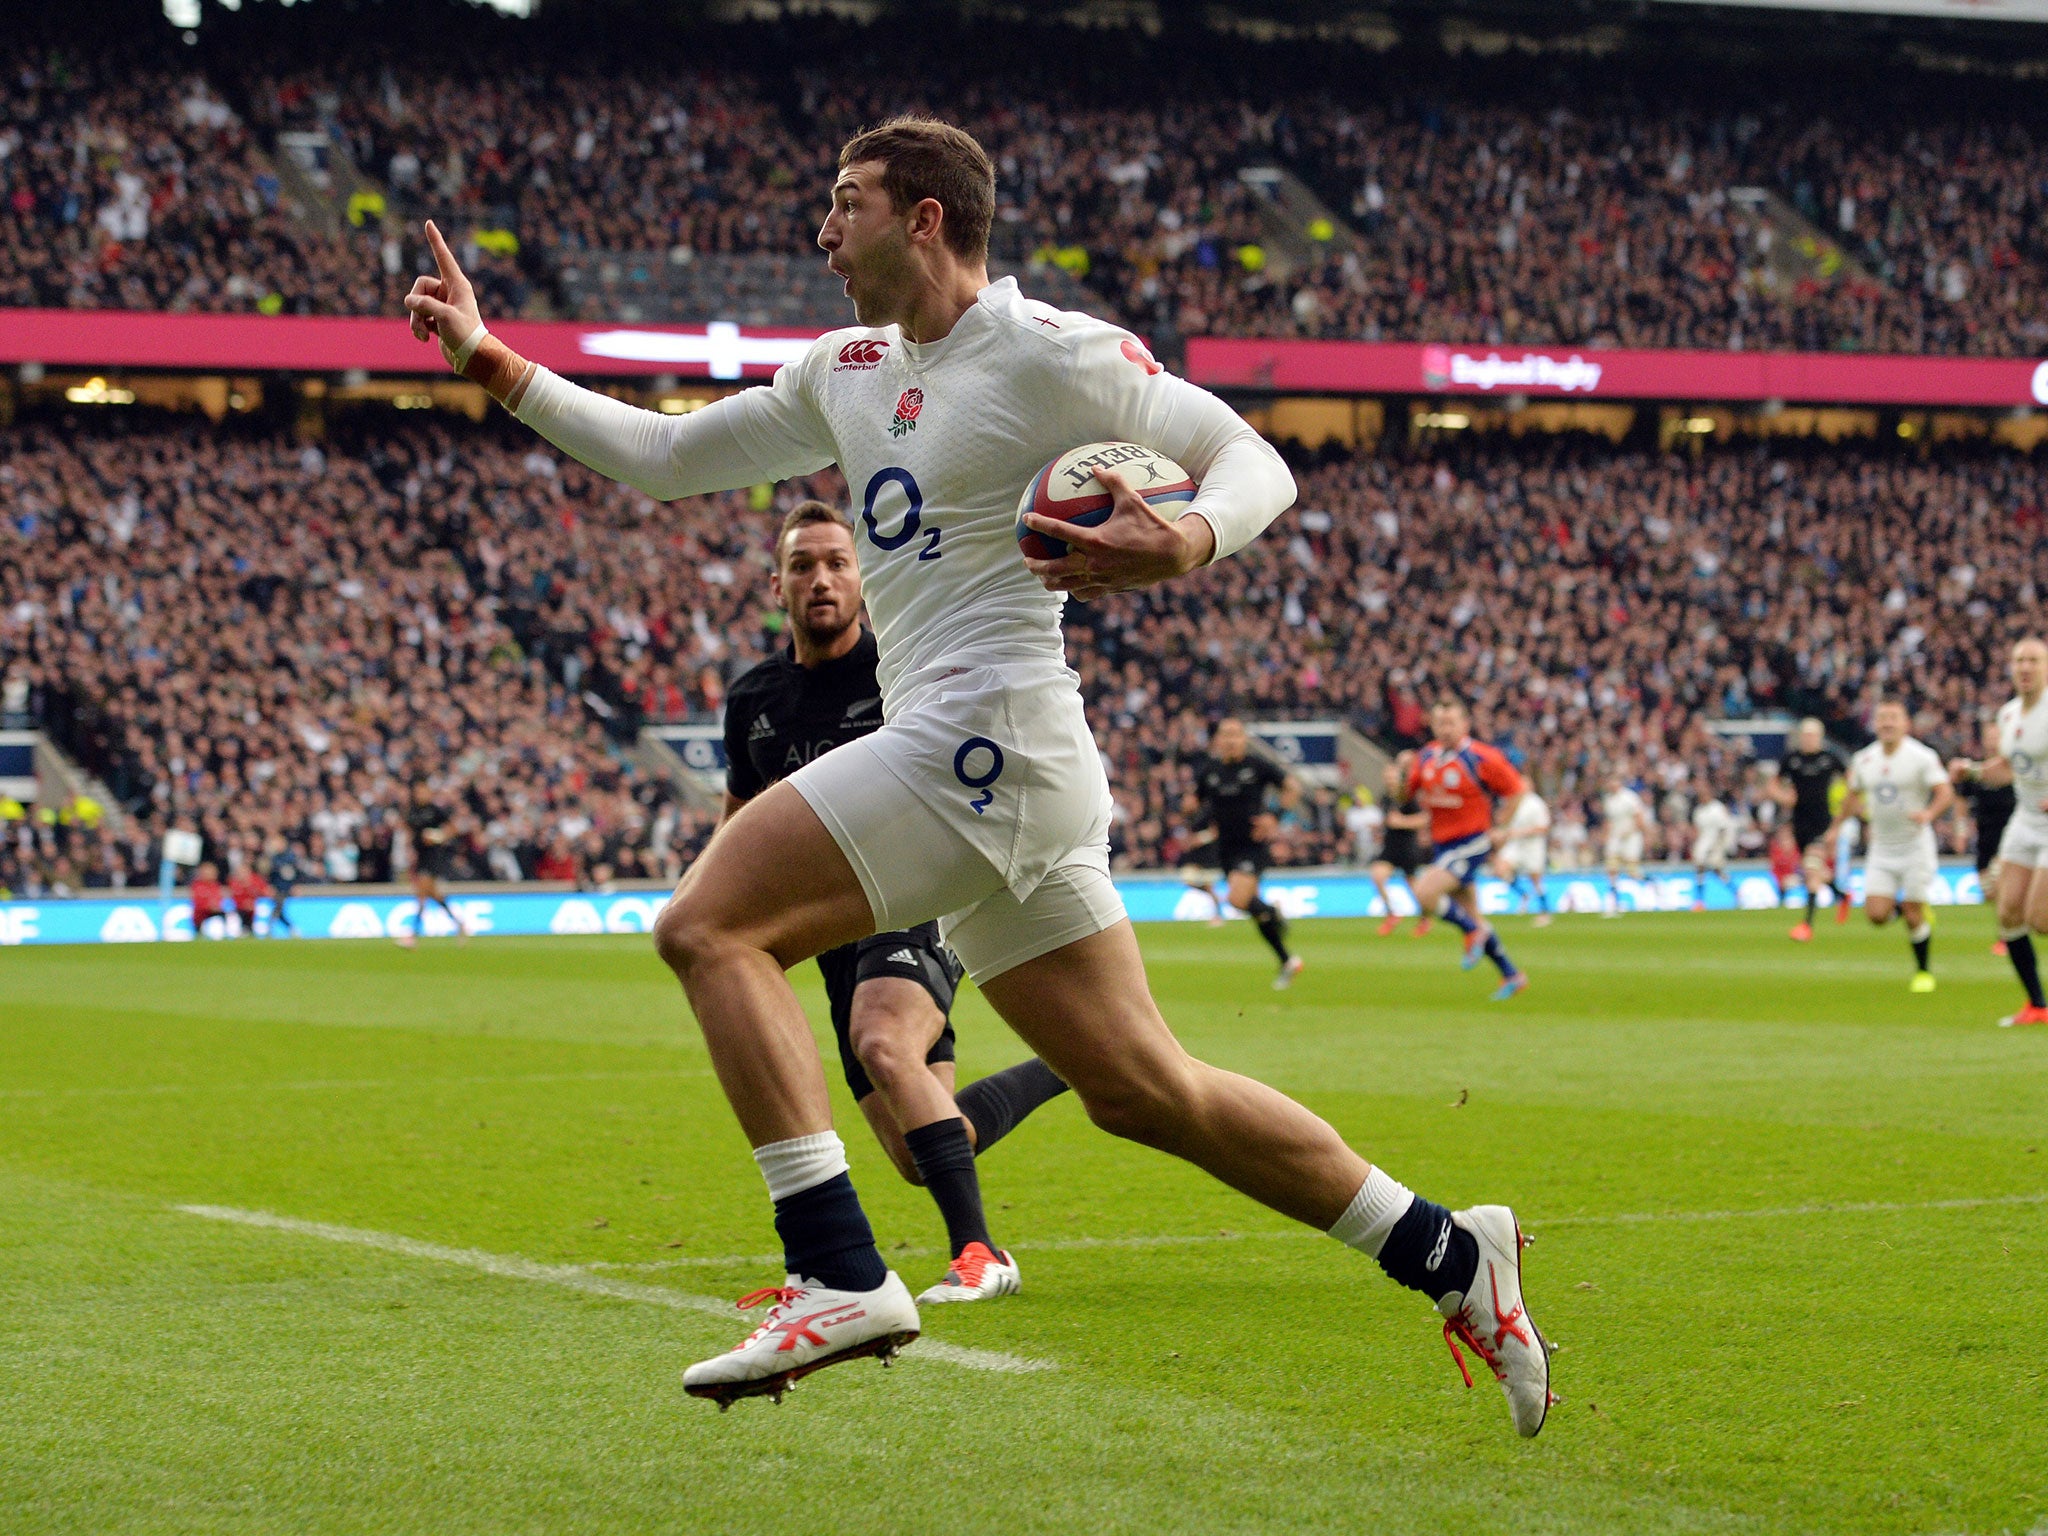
[325,1085]
[1531,1224]
[575,1278]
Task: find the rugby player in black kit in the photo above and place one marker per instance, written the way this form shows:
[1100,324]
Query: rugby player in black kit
[890,993]
[1230,790]
[1805,777]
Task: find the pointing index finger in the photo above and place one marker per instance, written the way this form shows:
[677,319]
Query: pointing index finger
[444,259]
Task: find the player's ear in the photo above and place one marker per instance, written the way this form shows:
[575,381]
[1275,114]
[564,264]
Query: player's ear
[927,221]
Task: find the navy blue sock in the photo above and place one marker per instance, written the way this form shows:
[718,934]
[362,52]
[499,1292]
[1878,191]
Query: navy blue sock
[994,1105]
[1457,916]
[1498,955]
[826,1237]
[1430,1253]
[945,1161]
[2020,951]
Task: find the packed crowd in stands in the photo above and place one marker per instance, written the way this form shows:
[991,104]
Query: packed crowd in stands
[259,638]
[1472,213]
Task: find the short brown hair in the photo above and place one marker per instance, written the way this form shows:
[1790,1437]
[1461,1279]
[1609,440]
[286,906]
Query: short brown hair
[922,157]
[803,515]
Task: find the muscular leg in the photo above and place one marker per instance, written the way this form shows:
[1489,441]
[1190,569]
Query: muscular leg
[771,889]
[894,1025]
[1879,910]
[2022,912]
[1244,895]
[1087,1012]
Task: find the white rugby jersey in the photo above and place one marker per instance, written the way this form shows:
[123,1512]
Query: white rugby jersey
[2023,742]
[1713,825]
[1623,812]
[1531,818]
[1894,787]
[938,441]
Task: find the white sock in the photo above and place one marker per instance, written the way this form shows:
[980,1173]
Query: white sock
[801,1163]
[1919,935]
[2007,936]
[1379,1203]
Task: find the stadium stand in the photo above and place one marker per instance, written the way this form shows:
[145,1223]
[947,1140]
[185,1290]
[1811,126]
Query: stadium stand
[1470,214]
[293,633]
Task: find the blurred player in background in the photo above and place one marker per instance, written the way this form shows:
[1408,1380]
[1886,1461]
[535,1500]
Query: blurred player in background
[1784,860]
[433,833]
[1806,780]
[2022,762]
[890,994]
[1991,807]
[1900,787]
[1401,847]
[1625,827]
[1230,794]
[287,873]
[1525,855]
[1713,841]
[1466,786]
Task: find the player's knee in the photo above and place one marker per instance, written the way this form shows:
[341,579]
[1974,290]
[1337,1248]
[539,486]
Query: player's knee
[1148,1106]
[684,935]
[884,1043]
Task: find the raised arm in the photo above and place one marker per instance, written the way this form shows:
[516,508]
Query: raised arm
[759,434]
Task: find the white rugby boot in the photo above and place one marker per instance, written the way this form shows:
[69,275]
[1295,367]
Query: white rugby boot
[976,1275]
[808,1328]
[1492,1321]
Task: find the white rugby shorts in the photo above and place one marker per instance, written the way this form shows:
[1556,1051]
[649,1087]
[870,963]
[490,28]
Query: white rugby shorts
[1900,874]
[1625,849]
[1709,852]
[1526,855]
[2025,841]
[980,802]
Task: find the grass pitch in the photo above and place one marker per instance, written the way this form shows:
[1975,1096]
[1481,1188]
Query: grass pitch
[1792,1226]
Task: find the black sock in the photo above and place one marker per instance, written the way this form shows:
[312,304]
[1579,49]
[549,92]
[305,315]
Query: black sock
[1430,1253]
[1272,927]
[945,1162]
[2020,951]
[1809,907]
[1920,949]
[826,1237]
[997,1104]
[1499,956]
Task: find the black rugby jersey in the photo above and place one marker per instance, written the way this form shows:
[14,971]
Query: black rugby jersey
[779,715]
[1811,774]
[1234,793]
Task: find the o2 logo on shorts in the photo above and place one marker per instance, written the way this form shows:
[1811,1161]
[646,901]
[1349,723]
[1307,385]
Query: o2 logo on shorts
[969,769]
[913,517]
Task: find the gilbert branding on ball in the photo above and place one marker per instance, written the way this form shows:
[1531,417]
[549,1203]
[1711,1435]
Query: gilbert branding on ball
[1067,491]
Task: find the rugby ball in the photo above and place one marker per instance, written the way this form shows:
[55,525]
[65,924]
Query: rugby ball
[1067,491]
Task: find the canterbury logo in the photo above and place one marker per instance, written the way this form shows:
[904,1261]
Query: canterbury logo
[1436,1254]
[865,353]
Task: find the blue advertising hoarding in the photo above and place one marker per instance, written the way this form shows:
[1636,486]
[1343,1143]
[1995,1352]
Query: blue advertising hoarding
[138,919]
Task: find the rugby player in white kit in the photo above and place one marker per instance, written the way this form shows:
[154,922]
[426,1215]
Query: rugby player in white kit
[1900,787]
[982,800]
[2022,762]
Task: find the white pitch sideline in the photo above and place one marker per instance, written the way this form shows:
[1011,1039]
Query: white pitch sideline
[573,1278]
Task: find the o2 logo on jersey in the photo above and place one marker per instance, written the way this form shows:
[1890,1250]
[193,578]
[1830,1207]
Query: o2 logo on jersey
[978,764]
[913,514]
[1887,792]
[1450,778]
[2023,764]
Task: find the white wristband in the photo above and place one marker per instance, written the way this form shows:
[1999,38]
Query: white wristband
[458,357]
